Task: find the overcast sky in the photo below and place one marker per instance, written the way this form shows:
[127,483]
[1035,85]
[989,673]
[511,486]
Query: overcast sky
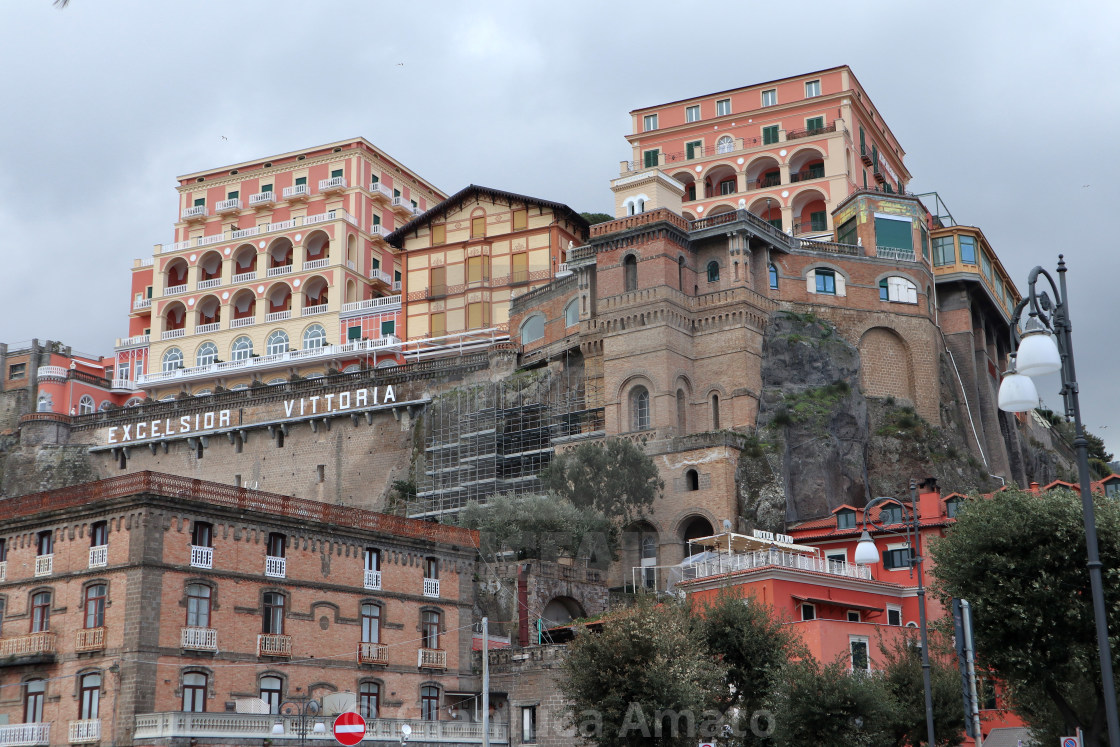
[1008,109]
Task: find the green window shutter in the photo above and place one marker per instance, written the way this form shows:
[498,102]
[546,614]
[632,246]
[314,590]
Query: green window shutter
[814,123]
[376,263]
[376,220]
[897,234]
[397,276]
[199,201]
[396,193]
[374,179]
[353,333]
[846,234]
[266,188]
[862,140]
[233,195]
[301,180]
[336,173]
[818,221]
[690,151]
[652,158]
[388,327]
[770,135]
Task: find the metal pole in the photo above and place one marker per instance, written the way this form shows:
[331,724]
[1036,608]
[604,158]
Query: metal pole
[485,682]
[916,559]
[1081,444]
[970,657]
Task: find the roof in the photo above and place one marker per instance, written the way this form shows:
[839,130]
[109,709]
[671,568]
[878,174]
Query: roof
[838,603]
[825,528]
[739,543]
[740,88]
[1018,736]
[473,191]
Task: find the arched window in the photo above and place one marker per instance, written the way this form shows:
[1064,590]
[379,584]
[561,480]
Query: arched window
[429,703]
[270,693]
[207,354]
[89,688]
[198,606]
[630,273]
[898,290]
[95,606]
[639,205]
[681,408]
[429,629]
[277,343]
[34,692]
[639,409]
[532,329]
[691,480]
[172,360]
[725,144]
[773,276]
[86,405]
[713,272]
[571,313]
[371,623]
[314,337]
[194,692]
[242,349]
[715,412]
[44,404]
[369,696]
[41,612]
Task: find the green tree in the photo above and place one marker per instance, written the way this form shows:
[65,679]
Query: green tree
[644,679]
[903,678]
[617,478]
[593,218]
[830,705]
[1020,560]
[538,526]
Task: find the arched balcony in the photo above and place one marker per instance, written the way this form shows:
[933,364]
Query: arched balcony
[209,315]
[806,164]
[280,254]
[175,277]
[316,248]
[763,173]
[245,263]
[279,303]
[244,309]
[689,181]
[314,296]
[209,271]
[174,321]
[769,209]
[810,212]
[721,180]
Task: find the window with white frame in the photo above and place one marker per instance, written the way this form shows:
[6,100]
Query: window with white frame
[242,349]
[692,113]
[529,724]
[725,144]
[860,648]
[314,337]
[649,122]
[532,329]
[639,409]
[723,107]
[896,557]
[770,97]
[898,290]
[894,616]
[808,612]
[277,343]
[812,88]
[86,405]
[854,616]
[172,360]
[571,313]
[206,354]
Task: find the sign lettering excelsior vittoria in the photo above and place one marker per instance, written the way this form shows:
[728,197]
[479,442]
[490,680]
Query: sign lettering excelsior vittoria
[217,420]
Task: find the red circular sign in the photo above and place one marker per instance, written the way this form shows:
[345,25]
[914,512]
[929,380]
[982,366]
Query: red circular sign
[349,728]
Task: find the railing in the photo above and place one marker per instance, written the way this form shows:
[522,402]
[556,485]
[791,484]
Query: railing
[173,334]
[216,238]
[804,176]
[782,558]
[312,310]
[125,342]
[196,211]
[141,303]
[227,206]
[247,321]
[201,329]
[431,587]
[397,286]
[198,639]
[27,645]
[381,275]
[373,653]
[271,644]
[351,265]
[337,182]
[51,372]
[316,264]
[211,283]
[404,205]
[804,228]
[25,735]
[377,189]
[381,302]
[89,639]
[372,580]
[278,316]
[274,272]
[244,277]
[202,557]
[896,254]
[127,385]
[431,658]
[379,231]
[174,246]
[86,730]
[275,567]
[811,131]
[745,216]
[98,556]
[44,565]
[262,198]
[174,290]
[297,190]
[240,728]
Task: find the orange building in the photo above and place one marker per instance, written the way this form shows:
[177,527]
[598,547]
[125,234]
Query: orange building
[49,377]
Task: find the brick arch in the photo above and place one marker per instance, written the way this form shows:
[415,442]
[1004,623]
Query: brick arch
[886,365]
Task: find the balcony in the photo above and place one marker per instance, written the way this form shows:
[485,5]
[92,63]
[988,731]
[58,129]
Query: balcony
[202,557]
[202,329]
[313,310]
[89,639]
[141,303]
[134,341]
[44,565]
[248,321]
[297,192]
[196,212]
[51,372]
[211,283]
[275,567]
[396,286]
[373,653]
[381,193]
[124,385]
[316,264]
[405,207]
[245,277]
[275,272]
[33,644]
[198,639]
[271,644]
[431,587]
[380,276]
[174,290]
[372,580]
[866,155]
[334,184]
[807,175]
[231,205]
[895,254]
[379,232]
[99,556]
[173,334]
[811,131]
[262,199]
[278,316]
[25,735]
[379,304]
[85,731]
[431,658]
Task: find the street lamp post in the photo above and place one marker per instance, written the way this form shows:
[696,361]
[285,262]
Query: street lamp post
[867,553]
[1045,347]
[304,711]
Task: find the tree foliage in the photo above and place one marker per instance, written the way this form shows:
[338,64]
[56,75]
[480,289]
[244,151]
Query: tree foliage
[1020,561]
[543,527]
[828,704]
[593,218]
[902,676]
[617,478]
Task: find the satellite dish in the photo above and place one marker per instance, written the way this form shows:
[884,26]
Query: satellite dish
[406,729]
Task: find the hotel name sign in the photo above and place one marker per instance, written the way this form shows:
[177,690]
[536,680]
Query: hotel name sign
[250,415]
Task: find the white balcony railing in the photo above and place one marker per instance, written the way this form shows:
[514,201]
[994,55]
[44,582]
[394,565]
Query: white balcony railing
[379,231]
[27,645]
[245,277]
[278,271]
[316,264]
[202,557]
[202,329]
[195,211]
[228,206]
[174,290]
[297,190]
[98,555]
[312,310]
[431,658]
[336,182]
[405,206]
[141,303]
[278,316]
[431,587]
[134,341]
[275,567]
[25,735]
[44,565]
[563,271]
[173,334]
[381,303]
[124,385]
[51,372]
[285,225]
[85,731]
[3,570]
[198,639]
[351,265]
[216,238]
[269,644]
[381,275]
[248,321]
[262,198]
[895,254]
[373,653]
[372,580]
[89,639]
[379,190]
[211,283]
[396,286]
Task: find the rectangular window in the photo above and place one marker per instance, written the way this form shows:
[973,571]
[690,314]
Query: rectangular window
[649,122]
[826,282]
[336,173]
[695,149]
[233,194]
[529,724]
[818,221]
[520,268]
[894,233]
[353,333]
[854,617]
[17,371]
[837,557]
[897,558]
[199,201]
[376,219]
[846,233]
[944,251]
[372,559]
[692,113]
[814,123]
[477,269]
[478,227]
[846,520]
[651,158]
[439,235]
[861,653]
[727,187]
[388,327]
[925,242]
[98,534]
[808,612]
[438,282]
[396,193]
[986,265]
[894,616]
[723,107]
[438,324]
[475,316]
[272,614]
[770,97]
[520,220]
[266,188]
[301,181]
[276,544]
[770,135]
[812,89]
[968,250]
[376,263]
[45,544]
